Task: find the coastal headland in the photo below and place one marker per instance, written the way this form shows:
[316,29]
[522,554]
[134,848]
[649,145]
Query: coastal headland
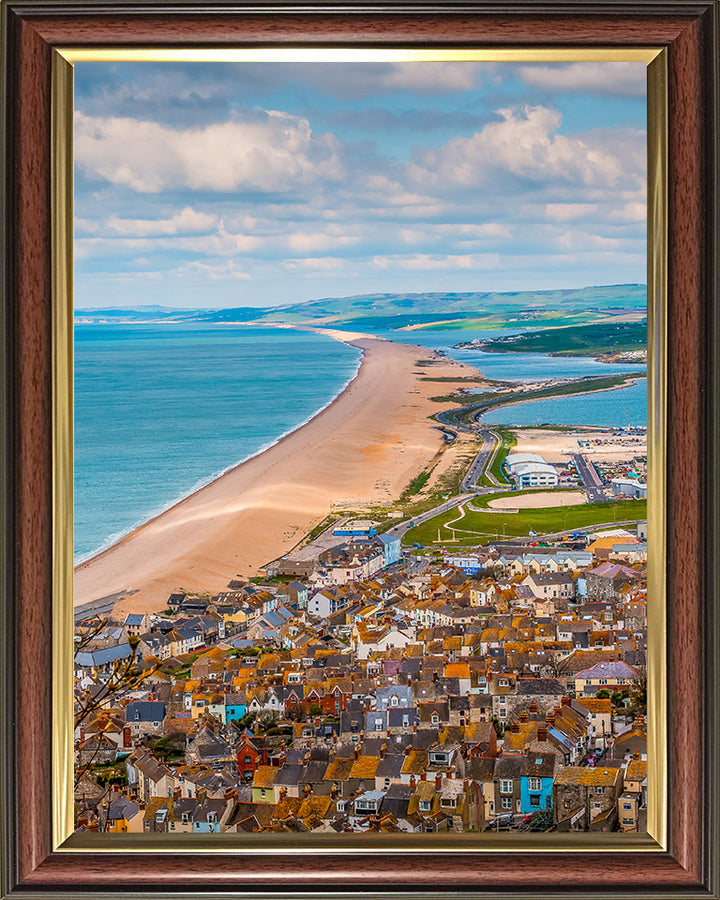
[362,449]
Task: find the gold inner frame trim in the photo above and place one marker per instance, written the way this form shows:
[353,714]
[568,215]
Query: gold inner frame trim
[64,839]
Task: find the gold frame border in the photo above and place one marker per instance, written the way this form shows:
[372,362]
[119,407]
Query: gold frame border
[63,837]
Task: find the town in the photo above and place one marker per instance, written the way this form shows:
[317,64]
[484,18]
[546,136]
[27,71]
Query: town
[377,689]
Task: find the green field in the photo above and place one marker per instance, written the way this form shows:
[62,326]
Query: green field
[477,527]
[508,442]
[578,340]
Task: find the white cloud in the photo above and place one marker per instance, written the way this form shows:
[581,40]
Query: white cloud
[432,77]
[524,145]
[563,212]
[626,79]
[188,221]
[270,152]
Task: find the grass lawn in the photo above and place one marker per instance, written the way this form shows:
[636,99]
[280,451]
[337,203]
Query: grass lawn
[477,527]
[508,442]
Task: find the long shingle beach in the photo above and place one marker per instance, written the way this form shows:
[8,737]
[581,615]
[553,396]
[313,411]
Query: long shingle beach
[364,448]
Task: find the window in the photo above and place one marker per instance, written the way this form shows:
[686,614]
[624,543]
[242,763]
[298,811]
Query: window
[603,681]
[248,760]
[597,804]
[506,803]
[435,719]
[424,806]
[262,793]
[534,784]
[506,786]
[535,800]
[406,721]
[503,682]
[628,821]
[599,790]
[627,806]
[394,700]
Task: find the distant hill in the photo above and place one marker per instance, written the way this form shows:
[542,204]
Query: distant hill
[577,340]
[382,312]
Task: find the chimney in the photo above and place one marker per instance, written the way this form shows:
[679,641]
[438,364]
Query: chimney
[412,782]
[414,727]
[306,790]
[550,718]
[466,785]
[127,736]
[408,750]
[356,751]
[177,793]
[533,707]
[636,754]
[542,734]
[334,791]
[565,701]
[557,710]
[423,776]
[523,716]
[283,793]
[515,728]
[448,772]
[383,750]
[438,781]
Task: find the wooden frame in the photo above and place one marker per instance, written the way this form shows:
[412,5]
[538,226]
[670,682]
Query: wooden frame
[688,29]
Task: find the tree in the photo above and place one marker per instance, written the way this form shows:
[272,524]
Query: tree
[125,675]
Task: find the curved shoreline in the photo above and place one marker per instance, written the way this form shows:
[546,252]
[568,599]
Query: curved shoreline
[363,448]
[114,541]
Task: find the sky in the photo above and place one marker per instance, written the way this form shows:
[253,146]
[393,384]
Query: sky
[206,185]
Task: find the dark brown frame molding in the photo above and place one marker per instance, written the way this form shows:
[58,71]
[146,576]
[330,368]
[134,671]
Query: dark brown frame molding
[688,29]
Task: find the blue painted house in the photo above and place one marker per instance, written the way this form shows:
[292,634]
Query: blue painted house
[536,783]
[235,707]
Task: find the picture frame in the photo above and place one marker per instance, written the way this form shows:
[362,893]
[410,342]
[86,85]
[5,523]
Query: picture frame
[687,33]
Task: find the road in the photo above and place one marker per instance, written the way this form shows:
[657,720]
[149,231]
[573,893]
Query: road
[483,460]
[402,528]
[590,478]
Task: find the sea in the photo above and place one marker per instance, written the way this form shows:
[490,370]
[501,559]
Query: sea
[161,410]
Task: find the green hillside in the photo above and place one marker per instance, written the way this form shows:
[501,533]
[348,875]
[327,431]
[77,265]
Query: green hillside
[577,340]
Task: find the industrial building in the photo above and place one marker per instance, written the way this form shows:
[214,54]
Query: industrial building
[629,487]
[531,470]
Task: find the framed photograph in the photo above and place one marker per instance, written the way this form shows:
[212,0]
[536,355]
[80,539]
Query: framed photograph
[338,520]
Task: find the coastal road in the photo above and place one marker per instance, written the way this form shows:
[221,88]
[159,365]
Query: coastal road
[483,459]
[402,528]
[590,478]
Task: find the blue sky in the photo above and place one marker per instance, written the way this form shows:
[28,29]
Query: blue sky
[258,184]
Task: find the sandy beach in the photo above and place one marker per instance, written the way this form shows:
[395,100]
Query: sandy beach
[364,448]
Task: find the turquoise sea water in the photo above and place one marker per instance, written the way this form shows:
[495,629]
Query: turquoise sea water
[162,410]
